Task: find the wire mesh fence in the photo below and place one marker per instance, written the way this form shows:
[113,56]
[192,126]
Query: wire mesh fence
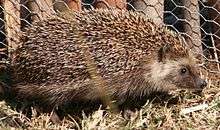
[197,20]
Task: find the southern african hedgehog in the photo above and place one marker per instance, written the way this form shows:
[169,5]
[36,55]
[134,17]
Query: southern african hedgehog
[79,57]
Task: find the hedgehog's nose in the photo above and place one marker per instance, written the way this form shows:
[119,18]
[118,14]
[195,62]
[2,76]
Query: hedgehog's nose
[203,84]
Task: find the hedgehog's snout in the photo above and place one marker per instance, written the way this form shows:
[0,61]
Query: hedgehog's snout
[201,83]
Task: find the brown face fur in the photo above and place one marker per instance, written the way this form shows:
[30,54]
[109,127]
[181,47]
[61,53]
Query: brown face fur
[170,73]
[184,75]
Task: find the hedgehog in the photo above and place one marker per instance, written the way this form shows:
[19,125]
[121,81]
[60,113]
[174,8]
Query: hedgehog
[86,57]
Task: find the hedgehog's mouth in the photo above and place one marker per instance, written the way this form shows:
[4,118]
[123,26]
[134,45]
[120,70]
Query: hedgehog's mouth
[193,89]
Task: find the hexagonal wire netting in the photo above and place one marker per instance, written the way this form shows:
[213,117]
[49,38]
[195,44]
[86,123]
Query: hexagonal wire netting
[197,20]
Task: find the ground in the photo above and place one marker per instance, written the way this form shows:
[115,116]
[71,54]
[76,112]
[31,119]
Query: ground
[191,111]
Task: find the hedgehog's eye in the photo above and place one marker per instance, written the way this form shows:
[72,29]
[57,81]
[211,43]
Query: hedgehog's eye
[183,70]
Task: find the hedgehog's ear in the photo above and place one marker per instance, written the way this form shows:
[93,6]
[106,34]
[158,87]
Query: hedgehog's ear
[164,52]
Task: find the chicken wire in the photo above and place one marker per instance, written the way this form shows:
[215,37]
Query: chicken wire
[197,20]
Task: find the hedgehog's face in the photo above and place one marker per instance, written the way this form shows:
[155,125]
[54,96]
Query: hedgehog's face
[182,72]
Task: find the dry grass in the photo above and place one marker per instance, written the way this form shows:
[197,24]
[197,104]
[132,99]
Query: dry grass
[151,116]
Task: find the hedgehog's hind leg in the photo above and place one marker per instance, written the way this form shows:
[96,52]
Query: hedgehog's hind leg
[5,82]
[4,90]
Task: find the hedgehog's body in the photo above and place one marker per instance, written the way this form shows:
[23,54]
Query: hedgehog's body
[132,57]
